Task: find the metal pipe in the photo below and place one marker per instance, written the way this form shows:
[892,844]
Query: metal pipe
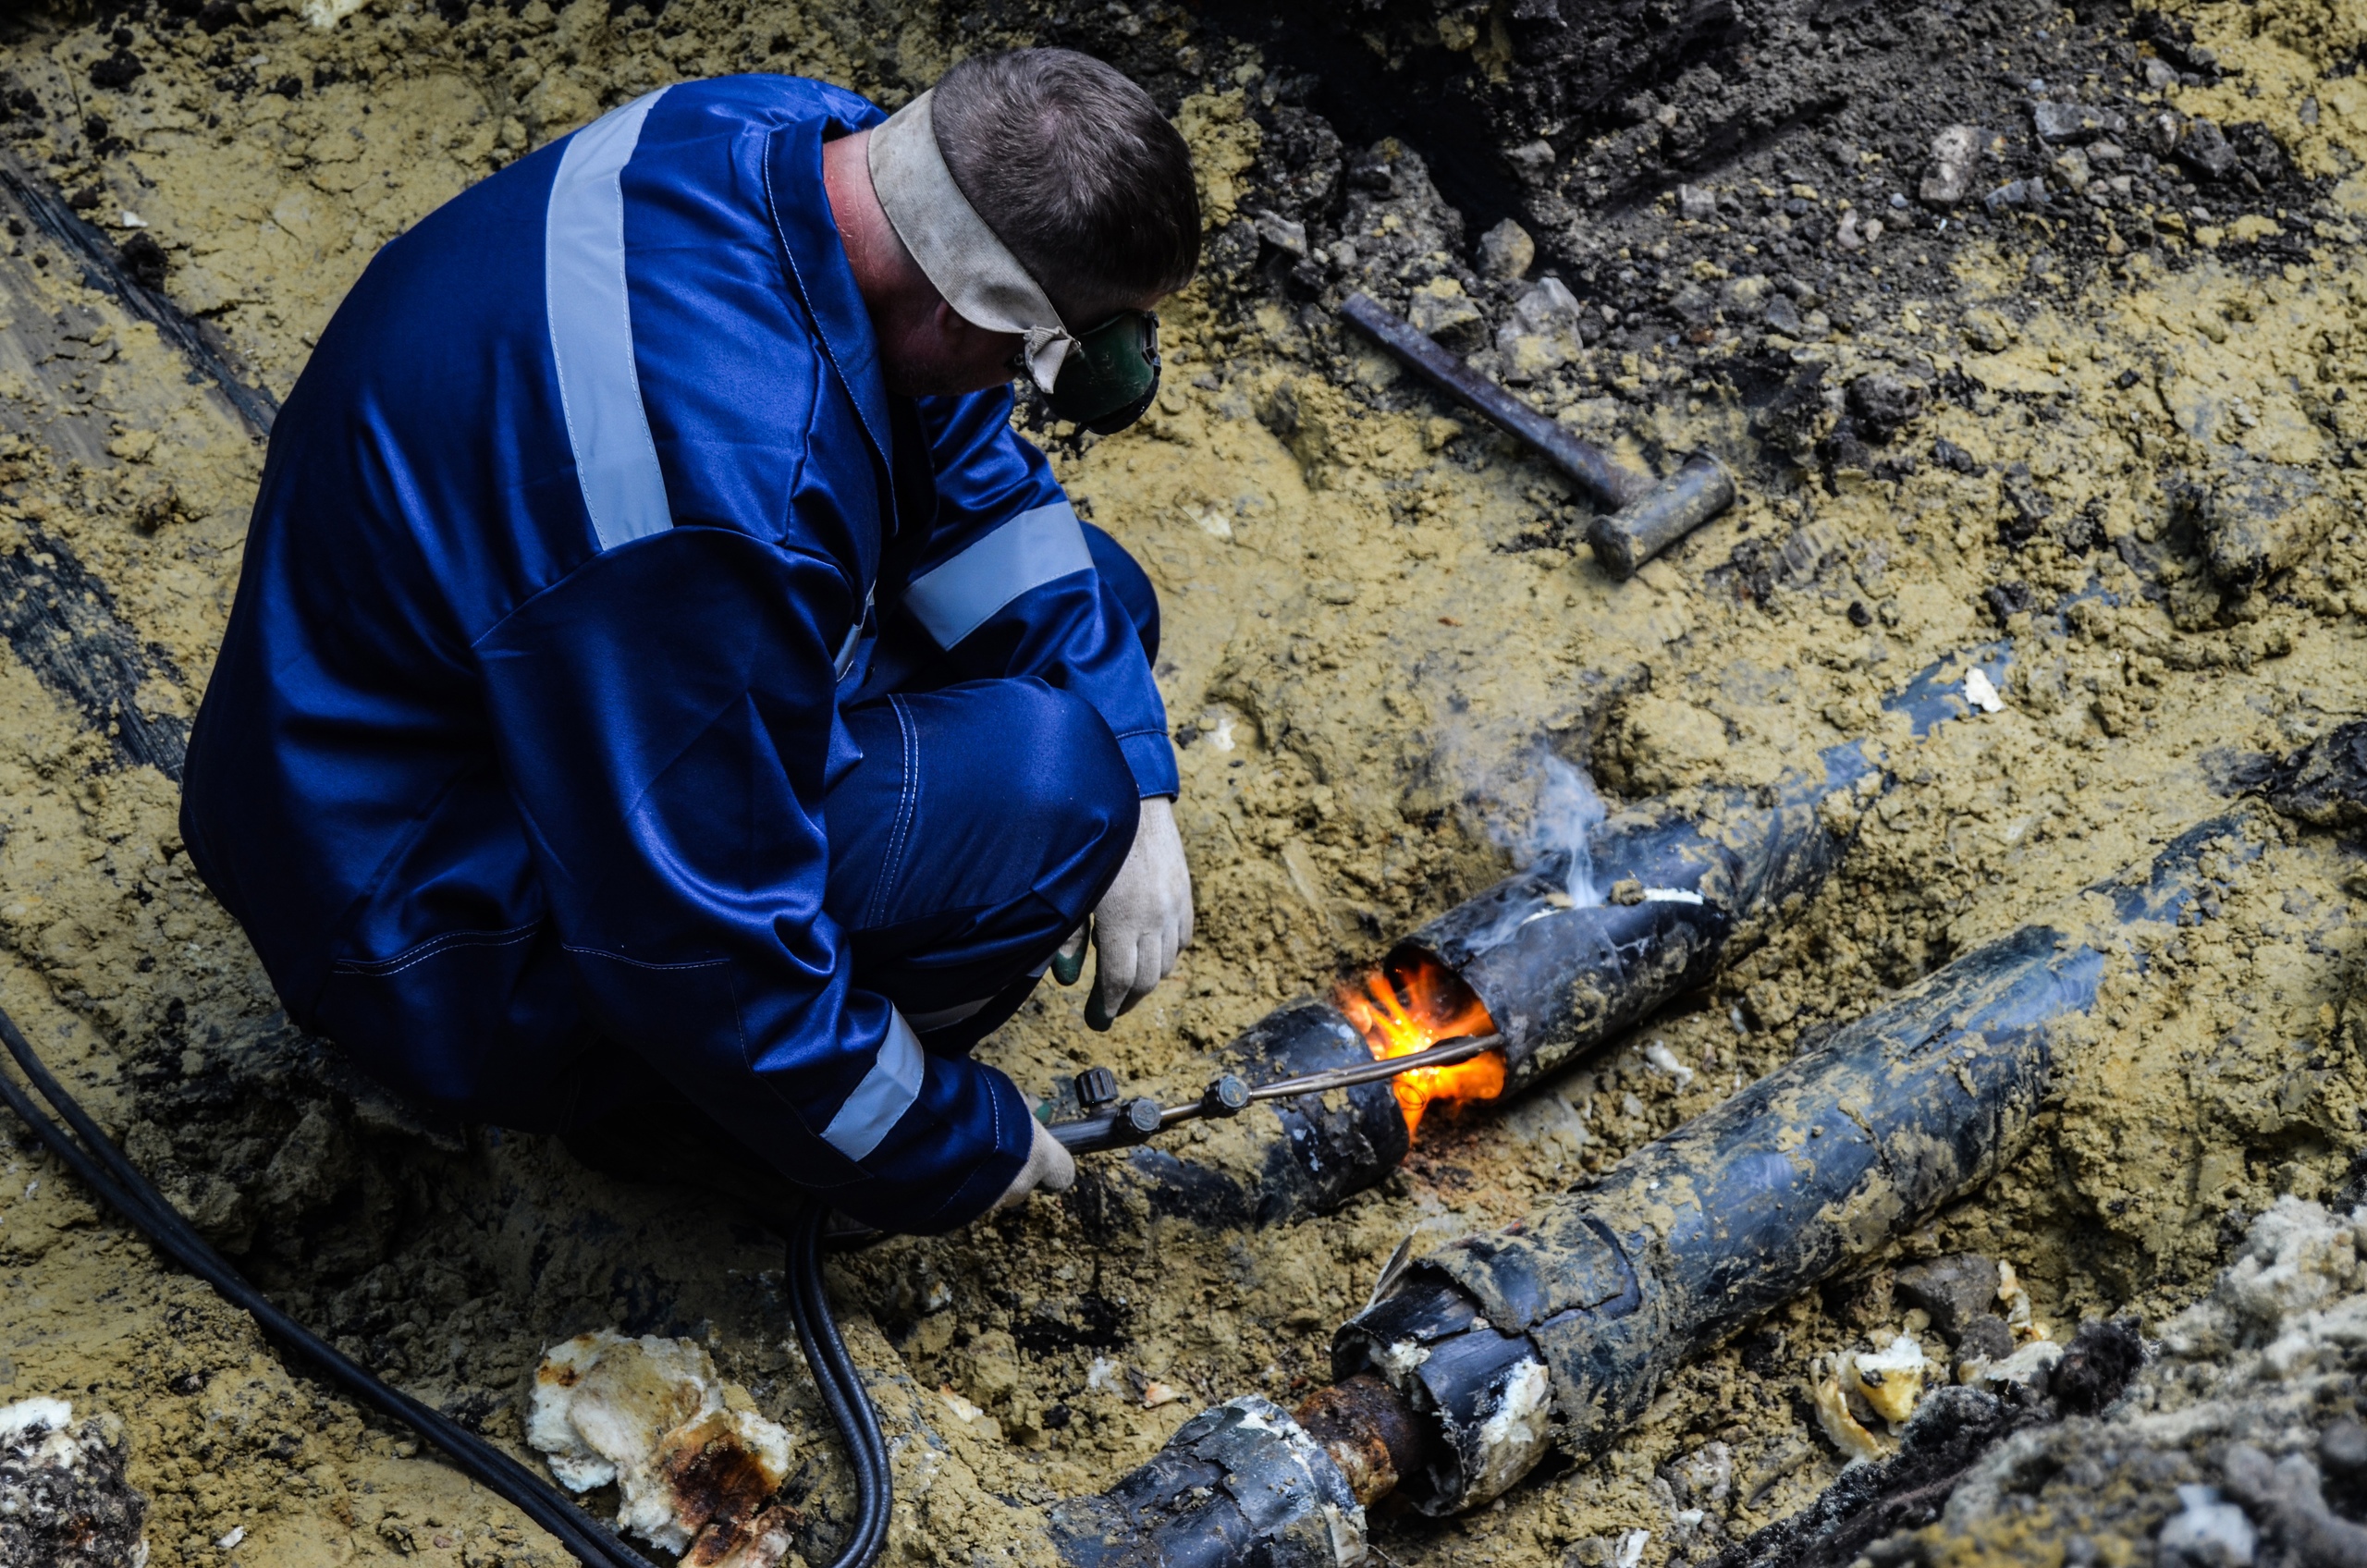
[1598,1297]
[1564,1326]
[1635,516]
[1556,978]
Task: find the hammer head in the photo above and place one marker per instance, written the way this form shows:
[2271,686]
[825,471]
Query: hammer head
[1696,492]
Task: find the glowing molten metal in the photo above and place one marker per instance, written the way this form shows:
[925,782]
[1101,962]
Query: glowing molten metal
[1409,1004]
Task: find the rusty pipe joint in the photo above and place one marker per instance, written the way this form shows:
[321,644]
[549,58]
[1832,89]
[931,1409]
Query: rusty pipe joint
[1484,1396]
[1370,1432]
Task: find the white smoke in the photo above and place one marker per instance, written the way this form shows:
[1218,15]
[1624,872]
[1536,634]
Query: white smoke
[1543,810]
[1564,818]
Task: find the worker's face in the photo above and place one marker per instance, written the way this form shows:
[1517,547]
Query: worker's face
[929,351]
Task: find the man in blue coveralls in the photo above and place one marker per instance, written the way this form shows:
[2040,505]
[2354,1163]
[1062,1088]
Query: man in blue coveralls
[664,692]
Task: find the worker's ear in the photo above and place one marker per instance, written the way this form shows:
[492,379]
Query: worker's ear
[975,348]
[954,329]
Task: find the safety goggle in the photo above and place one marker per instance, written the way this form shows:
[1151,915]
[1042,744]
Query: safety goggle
[1109,376]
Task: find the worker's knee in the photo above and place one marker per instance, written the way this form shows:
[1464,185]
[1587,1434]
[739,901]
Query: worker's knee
[1063,782]
[986,813]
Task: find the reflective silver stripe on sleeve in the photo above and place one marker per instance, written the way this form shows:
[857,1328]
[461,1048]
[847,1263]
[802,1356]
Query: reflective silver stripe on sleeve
[1032,549]
[583,294]
[885,1094]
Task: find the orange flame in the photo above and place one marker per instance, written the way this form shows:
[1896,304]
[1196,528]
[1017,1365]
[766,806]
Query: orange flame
[1409,1004]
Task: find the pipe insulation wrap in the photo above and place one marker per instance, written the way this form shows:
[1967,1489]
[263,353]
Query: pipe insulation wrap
[1560,977]
[1814,1166]
[1240,1482]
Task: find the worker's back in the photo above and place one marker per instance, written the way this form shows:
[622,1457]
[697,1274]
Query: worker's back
[344,794]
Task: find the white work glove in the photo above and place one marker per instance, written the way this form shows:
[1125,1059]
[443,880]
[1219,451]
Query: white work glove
[1049,1166]
[1142,922]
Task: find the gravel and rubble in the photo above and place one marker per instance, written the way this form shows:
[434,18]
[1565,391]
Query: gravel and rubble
[2238,1442]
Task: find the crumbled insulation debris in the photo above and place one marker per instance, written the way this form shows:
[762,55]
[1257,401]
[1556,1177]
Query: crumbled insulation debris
[696,1466]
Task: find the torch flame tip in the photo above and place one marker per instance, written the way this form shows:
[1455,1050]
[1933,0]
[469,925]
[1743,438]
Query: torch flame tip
[1411,1002]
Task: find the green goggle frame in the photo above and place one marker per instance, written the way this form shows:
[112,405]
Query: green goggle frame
[1111,375]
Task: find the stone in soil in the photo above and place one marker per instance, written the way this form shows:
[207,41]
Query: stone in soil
[2073,124]
[1984,1336]
[2324,784]
[1506,251]
[1952,1290]
[1955,155]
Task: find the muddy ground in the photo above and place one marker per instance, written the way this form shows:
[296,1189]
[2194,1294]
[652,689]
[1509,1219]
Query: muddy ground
[2031,405]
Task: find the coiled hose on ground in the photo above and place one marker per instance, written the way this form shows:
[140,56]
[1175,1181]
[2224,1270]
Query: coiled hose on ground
[103,1168]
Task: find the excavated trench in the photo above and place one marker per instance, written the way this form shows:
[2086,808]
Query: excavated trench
[2112,416]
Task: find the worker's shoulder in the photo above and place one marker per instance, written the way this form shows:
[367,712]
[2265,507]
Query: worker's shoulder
[730,106]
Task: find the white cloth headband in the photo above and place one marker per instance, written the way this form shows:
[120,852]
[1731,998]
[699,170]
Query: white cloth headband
[969,264]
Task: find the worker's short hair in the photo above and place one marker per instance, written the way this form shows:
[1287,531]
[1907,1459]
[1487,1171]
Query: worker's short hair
[1077,172]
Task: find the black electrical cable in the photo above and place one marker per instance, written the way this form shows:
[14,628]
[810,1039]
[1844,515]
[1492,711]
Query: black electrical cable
[107,1172]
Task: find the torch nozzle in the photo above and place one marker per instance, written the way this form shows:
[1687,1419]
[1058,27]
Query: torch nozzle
[1113,1124]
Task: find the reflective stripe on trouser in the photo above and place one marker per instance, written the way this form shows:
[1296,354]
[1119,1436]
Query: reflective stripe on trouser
[886,1092]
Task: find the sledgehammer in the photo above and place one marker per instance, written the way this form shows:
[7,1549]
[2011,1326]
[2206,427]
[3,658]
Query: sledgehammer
[1636,518]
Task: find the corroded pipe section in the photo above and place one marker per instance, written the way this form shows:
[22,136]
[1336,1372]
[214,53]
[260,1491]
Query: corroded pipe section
[1369,1431]
[1566,1325]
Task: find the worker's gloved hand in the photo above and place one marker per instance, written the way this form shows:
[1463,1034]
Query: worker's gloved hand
[1049,1166]
[1144,919]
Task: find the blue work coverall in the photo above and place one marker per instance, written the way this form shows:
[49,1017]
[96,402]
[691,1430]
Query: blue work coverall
[626,695]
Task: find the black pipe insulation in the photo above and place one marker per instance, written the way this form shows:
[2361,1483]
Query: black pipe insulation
[1241,1482]
[1563,1328]
[1557,977]
[1602,1292]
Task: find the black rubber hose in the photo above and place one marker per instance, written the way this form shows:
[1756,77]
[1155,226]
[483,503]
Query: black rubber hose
[842,1391]
[102,1166]
[104,1169]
